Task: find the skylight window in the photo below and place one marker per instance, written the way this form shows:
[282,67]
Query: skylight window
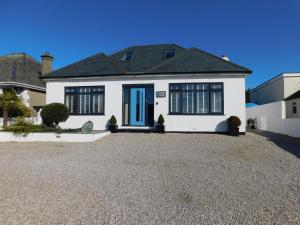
[169,53]
[127,56]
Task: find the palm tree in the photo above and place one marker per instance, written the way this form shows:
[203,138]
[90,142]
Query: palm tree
[10,101]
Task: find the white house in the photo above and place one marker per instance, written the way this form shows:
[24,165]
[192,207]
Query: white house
[278,102]
[276,89]
[194,90]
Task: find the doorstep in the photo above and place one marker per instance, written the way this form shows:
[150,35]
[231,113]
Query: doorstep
[135,129]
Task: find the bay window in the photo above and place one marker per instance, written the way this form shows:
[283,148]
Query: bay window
[196,99]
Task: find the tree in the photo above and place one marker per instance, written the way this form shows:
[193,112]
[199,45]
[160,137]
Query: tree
[54,113]
[11,104]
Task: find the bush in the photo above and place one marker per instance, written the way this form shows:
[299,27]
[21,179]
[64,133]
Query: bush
[234,121]
[20,126]
[161,120]
[54,113]
[113,120]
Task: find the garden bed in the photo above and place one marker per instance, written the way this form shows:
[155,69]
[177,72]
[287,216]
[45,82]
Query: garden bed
[51,137]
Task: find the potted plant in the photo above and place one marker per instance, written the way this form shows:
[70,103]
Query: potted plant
[160,127]
[251,123]
[112,126]
[233,125]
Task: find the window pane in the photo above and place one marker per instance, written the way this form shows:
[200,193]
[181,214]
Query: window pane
[95,103]
[175,86]
[84,104]
[188,106]
[187,86]
[216,86]
[175,102]
[202,86]
[202,100]
[127,56]
[169,53]
[101,104]
[216,102]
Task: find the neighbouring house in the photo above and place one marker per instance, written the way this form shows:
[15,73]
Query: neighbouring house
[22,73]
[194,90]
[276,89]
[278,105]
[292,105]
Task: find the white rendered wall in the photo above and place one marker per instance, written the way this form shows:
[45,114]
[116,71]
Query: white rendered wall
[271,117]
[271,92]
[24,95]
[234,103]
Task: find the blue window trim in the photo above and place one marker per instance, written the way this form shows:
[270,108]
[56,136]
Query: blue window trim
[209,90]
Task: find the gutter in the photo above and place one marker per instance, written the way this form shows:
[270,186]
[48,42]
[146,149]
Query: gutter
[144,75]
[17,84]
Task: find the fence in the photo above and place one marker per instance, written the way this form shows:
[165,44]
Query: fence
[34,119]
[272,117]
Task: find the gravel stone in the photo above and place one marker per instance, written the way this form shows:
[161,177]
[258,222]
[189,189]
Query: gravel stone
[132,178]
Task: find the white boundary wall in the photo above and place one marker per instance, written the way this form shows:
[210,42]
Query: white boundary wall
[272,117]
[51,137]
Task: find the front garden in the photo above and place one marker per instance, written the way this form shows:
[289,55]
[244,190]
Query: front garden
[22,129]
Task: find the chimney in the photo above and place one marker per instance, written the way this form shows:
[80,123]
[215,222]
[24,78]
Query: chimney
[46,63]
[225,57]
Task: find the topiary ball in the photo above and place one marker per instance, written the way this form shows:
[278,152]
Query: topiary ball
[234,121]
[54,113]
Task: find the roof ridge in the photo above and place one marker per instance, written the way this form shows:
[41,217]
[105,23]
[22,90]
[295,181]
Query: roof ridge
[219,58]
[22,54]
[151,45]
[137,46]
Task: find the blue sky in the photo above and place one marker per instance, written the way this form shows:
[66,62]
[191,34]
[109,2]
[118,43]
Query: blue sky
[261,35]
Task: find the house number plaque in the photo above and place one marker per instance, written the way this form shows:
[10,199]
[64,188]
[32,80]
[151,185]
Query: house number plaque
[160,94]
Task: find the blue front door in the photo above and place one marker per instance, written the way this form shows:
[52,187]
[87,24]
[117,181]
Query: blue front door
[137,107]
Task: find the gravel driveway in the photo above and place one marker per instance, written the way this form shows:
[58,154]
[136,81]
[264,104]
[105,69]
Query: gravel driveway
[150,179]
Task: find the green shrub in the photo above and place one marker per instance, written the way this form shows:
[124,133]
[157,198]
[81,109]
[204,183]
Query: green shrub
[113,120]
[54,113]
[161,120]
[20,126]
[234,121]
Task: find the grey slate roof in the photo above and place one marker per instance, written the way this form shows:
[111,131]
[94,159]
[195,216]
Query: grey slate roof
[293,96]
[145,57]
[98,64]
[20,68]
[194,60]
[149,59]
